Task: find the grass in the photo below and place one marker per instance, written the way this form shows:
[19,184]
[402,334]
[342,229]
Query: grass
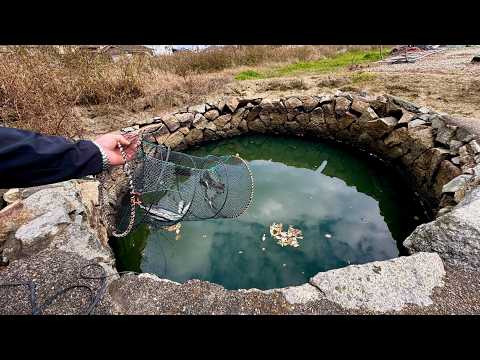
[360,77]
[328,64]
[43,90]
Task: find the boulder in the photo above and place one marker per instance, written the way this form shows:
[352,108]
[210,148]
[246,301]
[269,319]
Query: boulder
[231,103]
[379,127]
[292,103]
[257,125]
[198,108]
[342,105]
[309,102]
[185,119]
[456,183]
[445,134]
[446,172]
[222,121]
[211,114]
[455,236]
[12,195]
[194,136]
[383,285]
[200,122]
[174,139]
[171,122]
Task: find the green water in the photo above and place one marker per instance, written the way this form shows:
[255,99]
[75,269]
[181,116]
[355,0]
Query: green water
[352,209]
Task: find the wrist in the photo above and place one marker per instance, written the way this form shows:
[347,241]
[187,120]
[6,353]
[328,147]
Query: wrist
[105,162]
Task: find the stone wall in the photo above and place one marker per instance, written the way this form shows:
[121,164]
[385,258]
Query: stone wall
[417,139]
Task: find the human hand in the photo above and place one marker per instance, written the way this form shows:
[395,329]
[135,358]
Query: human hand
[109,143]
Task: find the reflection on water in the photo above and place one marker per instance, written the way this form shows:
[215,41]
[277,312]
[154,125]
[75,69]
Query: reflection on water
[350,208]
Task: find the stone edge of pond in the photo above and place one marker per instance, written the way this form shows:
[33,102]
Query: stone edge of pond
[442,159]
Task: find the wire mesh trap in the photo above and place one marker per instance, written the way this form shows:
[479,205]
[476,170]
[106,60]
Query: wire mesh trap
[161,187]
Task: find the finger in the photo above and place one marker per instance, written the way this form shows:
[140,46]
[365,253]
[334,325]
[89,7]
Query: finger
[122,140]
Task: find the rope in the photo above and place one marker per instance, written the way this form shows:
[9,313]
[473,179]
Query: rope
[95,297]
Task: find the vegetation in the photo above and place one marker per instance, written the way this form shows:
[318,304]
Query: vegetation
[326,64]
[42,89]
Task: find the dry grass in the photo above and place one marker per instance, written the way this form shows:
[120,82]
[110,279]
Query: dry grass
[39,88]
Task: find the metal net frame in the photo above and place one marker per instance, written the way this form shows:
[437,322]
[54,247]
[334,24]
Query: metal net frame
[161,188]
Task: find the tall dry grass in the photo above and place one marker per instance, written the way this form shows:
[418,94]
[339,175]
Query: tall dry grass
[39,87]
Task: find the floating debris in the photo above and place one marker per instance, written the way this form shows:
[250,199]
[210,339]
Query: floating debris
[284,265]
[174,228]
[204,236]
[263,237]
[416,218]
[328,236]
[288,238]
[240,252]
[263,249]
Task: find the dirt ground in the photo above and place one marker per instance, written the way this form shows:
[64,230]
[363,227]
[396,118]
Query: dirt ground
[446,81]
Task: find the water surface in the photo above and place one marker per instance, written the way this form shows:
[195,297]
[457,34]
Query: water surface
[351,208]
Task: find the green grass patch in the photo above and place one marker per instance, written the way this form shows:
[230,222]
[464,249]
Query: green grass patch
[330,64]
[248,75]
[362,77]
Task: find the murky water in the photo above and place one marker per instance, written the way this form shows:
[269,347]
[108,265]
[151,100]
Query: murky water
[352,209]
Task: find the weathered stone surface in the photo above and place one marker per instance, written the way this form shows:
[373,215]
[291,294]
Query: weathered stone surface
[381,126]
[237,118]
[406,118]
[309,102]
[303,119]
[397,137]
[211,114]
[416,123]
[445,134]
[253,113]
[184,130]
[194,136]
[342,105]
[171,122]
[301,294]
[474,147]
[231,103]
[174,139]
[200,122]
[383,285]
[209,134]
[419,140]
[464,135]
[455,236]
[222,121]
[292,103]
[211,126]
[425,166]
[257,125]
[12,195]
[185,119]
[278,118]
[198,108]
[446,172]
[456,183]
[359,106]
[292,125]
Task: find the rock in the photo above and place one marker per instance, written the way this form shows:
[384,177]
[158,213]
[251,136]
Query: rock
[185,119]
[476,59]
[278,118]
[474,147]
[231,103]
[209,134]
[301,294]
[404,104]
[253,113]
[12,195]
[200,122]
[309,102]
[454,236]
[383,285]
[222,121]
[445,134]
[437,122]
[426,165]
[455,184]
[359,106]
[211,114]
[292,103]
[368,115]
[211,126]
[415,123]
[257,125]
[424,110]
[342,105]
[292,125]
[381,126]
[267,104]
[397,137]
[446,172]
[171,123]
[406,118]
[455,145]
[38,233]
[464,135]
[243,125]
[174,139]
[184,130]
[198,108]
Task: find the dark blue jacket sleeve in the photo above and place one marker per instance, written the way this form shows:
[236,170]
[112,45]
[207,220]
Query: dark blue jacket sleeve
[30,159]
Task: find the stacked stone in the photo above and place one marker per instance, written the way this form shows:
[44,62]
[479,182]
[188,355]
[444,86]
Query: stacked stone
[424,142]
